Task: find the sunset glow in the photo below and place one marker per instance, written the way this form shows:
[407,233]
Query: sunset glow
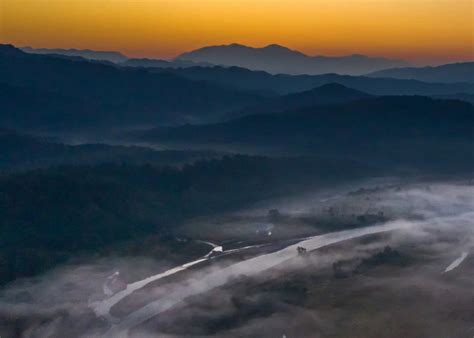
[417,30]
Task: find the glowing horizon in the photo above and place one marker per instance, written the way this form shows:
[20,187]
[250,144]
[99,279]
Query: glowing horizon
[421,31]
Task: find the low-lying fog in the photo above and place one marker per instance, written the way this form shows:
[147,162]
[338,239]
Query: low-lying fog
[352,260]
[121,137]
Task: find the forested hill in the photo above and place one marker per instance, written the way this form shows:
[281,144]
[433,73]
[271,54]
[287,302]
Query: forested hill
[51,215]
[284,84]
[20,151]
[55,92]
[411,131]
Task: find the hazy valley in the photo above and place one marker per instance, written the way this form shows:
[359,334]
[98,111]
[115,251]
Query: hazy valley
[234,192]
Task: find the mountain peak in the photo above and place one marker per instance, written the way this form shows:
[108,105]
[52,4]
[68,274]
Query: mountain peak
[333,86]
[327,94]
[7,49]
[331,93]
[237,45]
[275,46]
[277,59]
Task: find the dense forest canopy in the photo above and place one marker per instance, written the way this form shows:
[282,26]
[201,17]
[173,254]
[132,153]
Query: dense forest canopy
[49,215]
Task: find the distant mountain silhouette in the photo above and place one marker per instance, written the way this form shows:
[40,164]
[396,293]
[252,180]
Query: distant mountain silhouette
[450,73]
[284,84]
[46,90]
[111,56]
[399,130]
[331,93]
[156,63]
[277,59]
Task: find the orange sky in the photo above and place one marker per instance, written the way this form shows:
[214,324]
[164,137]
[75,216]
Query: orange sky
[418,30]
